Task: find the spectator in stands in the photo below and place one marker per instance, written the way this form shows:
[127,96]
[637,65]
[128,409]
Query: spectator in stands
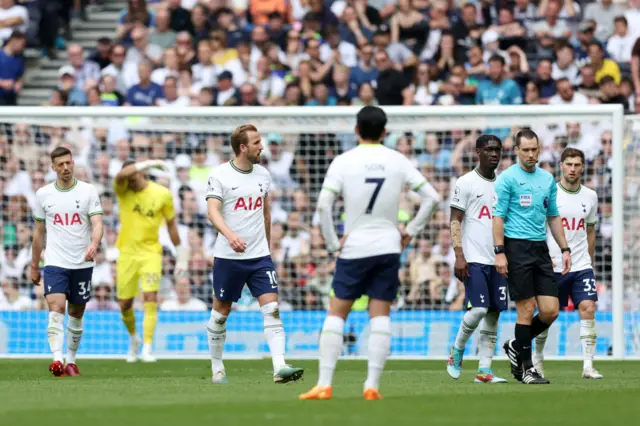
[392,86]
[145,93]
[552,28]
[564,66]
[163,35]
[12,300]
[620,45]
[498,90]
[102,54]
[566,95]
[13,17]
[12,68]
[183,301]
[74,94]
[142,50]
[610,93]
[117,70]
[603,12]
[134,15]
[84,70]
[601,65]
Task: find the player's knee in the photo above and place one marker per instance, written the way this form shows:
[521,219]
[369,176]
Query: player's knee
[587,309]
[125,304]
[270,310]
[526,308]
[549,314]
[223,308]
[480,312]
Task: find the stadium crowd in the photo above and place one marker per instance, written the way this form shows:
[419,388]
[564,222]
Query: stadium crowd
[310,53]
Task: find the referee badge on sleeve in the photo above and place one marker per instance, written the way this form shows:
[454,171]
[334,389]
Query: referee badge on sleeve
[525,200]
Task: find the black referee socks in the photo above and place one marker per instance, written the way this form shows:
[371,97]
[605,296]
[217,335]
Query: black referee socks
[537,326]
[523,344]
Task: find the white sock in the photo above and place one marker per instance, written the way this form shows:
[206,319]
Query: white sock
[488,339]
[55,335]
[331,341]
[74,335]
[379,349]
[540,340]
[469,324]
[588,340]
[274,333]
[217,332]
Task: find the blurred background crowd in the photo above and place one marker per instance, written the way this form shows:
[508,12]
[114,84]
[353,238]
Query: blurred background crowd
[304,53]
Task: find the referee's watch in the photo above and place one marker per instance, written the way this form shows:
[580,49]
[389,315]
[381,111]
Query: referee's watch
[498,249]
[565,249]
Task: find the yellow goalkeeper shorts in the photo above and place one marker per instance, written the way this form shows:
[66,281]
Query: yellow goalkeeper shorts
[138,271]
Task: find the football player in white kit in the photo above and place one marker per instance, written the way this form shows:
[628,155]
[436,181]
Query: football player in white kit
[471,232]
[370,178]
[71,214]
[578,206]
[239,208]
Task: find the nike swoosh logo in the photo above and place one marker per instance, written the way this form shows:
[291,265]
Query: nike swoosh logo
[590,294]
[50,206]
[478,196]
[523,183]
[234,188]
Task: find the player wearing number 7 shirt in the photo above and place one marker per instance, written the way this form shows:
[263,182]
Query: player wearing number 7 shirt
[239,208]
[370,179]
[578,207]
[71,214]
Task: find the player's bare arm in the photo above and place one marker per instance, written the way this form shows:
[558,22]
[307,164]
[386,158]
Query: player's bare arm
[455,224]
[172,227]
[214,213]
[498,240]
[132,169]
[325,213]
[36,250]
[267,218]
[97,230]
[555,225]
[591,243]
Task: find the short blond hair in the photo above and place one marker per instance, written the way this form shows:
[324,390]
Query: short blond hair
[240,136]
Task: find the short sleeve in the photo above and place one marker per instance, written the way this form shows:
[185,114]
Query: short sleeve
[460,197]
[214,188]
[168,211]
[412,177]
[333,181]
[552,210]
[95,206]
[503,196]
[269,187]
[38,210]
[592,218]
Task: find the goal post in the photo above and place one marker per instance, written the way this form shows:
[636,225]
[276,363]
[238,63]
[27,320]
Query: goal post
[299,144]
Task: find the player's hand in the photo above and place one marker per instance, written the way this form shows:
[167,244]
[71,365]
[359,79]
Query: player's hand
[502,264]
[566,262]
[237,243]
[155,164]
[405,240]
[91,252]
[35,274]
[460,268]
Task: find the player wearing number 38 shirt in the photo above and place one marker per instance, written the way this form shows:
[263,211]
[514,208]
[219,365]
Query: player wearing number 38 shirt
[370,179]
[239,208]
[71,214]
[578,207]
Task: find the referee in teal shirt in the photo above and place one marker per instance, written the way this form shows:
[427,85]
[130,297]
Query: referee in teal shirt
[525,203]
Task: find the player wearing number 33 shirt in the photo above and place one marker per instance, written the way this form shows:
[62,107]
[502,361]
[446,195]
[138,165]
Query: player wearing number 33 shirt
[578,207]
[238,207]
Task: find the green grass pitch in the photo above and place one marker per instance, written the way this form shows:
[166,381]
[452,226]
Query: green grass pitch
[180,393]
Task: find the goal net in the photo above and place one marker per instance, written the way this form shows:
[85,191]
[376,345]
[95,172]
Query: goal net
[299,144]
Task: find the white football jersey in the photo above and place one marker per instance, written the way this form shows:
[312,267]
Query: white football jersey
[242,194]
[577,210]
[371,179]
[66,213]
[475,195]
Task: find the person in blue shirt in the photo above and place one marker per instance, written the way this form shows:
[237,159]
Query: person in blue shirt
[145,93]
[525,203]
[12,68]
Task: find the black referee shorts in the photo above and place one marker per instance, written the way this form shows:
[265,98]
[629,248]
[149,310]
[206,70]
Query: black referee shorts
[530,269]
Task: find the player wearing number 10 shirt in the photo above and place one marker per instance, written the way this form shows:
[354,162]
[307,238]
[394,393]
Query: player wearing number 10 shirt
[578,207]
[71,214]
[239,208]
[370,179]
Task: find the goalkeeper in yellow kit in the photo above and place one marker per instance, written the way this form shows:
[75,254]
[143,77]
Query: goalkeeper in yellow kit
[144,206]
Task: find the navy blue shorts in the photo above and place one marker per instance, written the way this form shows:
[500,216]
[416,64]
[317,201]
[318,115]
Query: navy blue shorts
[75,283]
[230,276]
[580,285]
[375,276]
[485,288]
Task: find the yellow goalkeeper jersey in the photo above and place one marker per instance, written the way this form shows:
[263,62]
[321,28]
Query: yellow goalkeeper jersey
[141,215]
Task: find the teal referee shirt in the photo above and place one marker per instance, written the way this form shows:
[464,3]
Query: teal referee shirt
[524,200]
